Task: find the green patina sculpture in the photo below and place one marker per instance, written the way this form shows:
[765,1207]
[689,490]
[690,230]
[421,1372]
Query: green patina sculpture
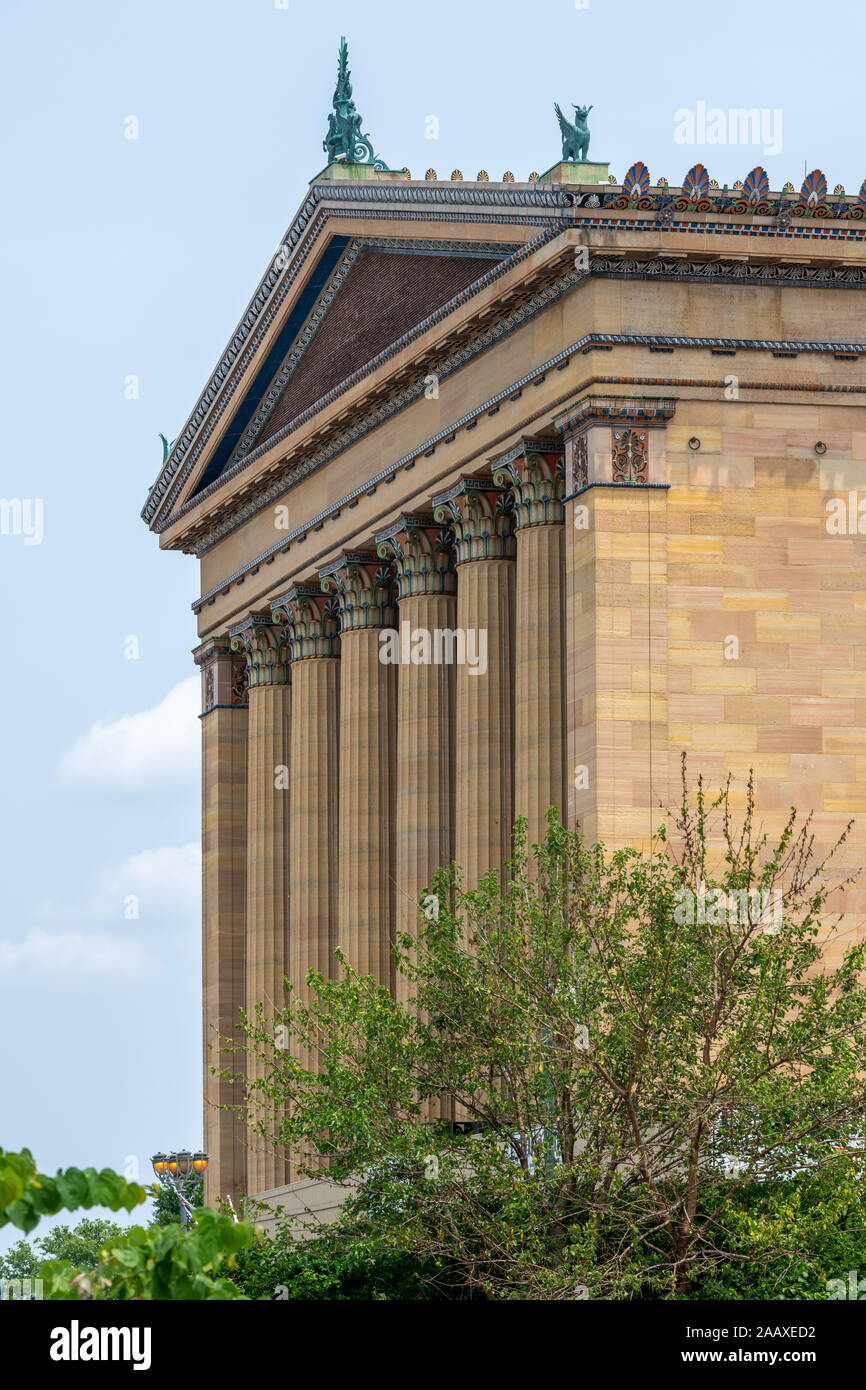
[166,447]
[575,138]
[345,140]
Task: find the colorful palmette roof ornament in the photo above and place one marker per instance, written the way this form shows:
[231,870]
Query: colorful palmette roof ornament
[696,184]
[814,189]
[637,180]
[756,186]
[700,193]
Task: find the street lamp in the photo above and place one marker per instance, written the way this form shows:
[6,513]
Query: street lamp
[176,1172]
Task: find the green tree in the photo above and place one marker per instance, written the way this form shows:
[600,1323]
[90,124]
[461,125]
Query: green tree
[335,1269]
[166,1206]
[79,1244]
[656,1078]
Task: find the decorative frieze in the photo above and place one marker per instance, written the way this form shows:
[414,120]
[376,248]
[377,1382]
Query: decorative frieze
[422,551]
[312,621]
[482,517]
[364,588]
[535,474]
[266,647]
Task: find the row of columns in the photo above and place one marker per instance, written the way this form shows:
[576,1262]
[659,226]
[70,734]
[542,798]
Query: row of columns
[362,776]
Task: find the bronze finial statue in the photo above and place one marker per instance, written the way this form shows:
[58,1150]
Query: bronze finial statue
[345,141]
[575,138]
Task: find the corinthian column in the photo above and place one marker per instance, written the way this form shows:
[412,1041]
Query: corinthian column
[368,711]
[484,739]
[312,624]
[224,794]
[267,877]
[534,472]
[426,585]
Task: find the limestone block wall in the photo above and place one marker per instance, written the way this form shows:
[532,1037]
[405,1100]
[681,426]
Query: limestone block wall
[722,616]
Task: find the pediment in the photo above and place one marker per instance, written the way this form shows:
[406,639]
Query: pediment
[363,296]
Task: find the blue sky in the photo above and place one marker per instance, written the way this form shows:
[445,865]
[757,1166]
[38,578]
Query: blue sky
[135,258]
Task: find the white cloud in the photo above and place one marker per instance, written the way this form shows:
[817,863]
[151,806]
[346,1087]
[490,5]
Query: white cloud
[72,953]
[152,886]
[136,751]
[133,901]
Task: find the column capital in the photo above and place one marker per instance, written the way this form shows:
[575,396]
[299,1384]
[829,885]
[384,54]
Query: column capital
[482,516]
[312,621]
[266,648]
[364,587]
[422,550]
[534,471]
[224,676]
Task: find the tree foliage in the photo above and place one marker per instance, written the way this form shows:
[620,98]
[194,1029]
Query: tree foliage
[633,1100]
[158,1262]
[79,1244]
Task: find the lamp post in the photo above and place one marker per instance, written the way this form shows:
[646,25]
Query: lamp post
[176,1172]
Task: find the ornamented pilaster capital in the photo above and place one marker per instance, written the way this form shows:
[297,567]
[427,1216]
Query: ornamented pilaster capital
[615,439]
[364,587]
[224,676]
[535,472]
[629,456]
[312,621]
[266,647]
[423,554]
[483,519]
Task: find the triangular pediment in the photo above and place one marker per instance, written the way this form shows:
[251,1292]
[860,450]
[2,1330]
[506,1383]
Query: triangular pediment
[363,296]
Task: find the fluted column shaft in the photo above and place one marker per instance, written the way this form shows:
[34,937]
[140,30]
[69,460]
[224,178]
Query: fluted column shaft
[224,786]
[485,720]
[424,840]
[313,855]
[484,717]
[267,870]
[312,626]
[536,479]
[367,747]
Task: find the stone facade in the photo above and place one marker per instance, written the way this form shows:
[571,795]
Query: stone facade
[623,458]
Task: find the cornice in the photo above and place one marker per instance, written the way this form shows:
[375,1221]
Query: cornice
[720,272]
[448,433]
[281,486]
[614,408]
[533,204]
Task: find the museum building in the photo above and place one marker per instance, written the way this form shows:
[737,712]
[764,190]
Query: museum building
[505,493]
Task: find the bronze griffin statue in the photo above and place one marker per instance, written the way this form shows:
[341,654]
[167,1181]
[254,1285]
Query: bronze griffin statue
[575,138]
